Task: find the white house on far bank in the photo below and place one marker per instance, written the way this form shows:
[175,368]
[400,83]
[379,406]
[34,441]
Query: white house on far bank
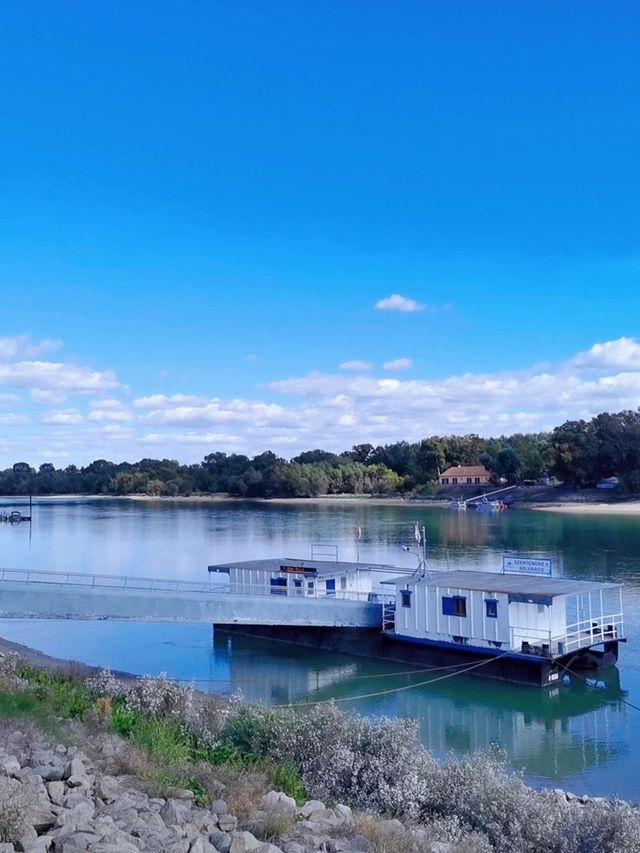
[465,475]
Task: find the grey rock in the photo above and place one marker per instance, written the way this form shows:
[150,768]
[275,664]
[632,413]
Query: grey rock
[49,772]
[243,842]
[267,847]
[79,814]
[75,767]
[201,845]
[180,794]
[175,812]
[227,822]
[293,847]
[42,819]
[219,807]
[56,792]
[11,766]
[106,847]
[279,802]
[77,841]
[27,839]
[312,807]
[343,813]
[5,847]
[360,844]
[220,840]
[178,847]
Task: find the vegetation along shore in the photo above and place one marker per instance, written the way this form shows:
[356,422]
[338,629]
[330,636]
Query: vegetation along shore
[577,454]
[98,763]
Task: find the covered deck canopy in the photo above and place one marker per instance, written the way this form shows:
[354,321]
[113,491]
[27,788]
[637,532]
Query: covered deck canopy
[317,567]
[509,584]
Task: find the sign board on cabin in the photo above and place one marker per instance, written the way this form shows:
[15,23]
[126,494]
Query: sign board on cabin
[526,566]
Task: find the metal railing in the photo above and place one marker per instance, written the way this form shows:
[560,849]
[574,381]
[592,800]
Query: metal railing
[578,635]
[590,632]
[126,582]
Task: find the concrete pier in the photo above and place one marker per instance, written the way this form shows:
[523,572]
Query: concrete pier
[61,595]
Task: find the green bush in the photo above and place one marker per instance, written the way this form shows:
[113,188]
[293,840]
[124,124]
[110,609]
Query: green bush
[286,777]
[123,721]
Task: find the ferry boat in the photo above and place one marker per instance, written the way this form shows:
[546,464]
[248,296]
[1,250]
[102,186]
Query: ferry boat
[518,627]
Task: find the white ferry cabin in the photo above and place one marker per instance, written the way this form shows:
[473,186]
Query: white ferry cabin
[554,620]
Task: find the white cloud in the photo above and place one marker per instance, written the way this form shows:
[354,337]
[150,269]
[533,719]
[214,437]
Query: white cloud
[332,411]
[21,346]
[56,376]
[398,364]
[69,416]
[356,364]
[622,353]
[47,398]
[251,357]
[12,419]
[8,399]
[108,410]
[155,401]
[396,302]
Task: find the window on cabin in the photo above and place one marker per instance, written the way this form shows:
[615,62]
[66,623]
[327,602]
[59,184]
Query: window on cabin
[492,608]
[310,586]
[278,586]
[405,597]
[343,583]
[454,605]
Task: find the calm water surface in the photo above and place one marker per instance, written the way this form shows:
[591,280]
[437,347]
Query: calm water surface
[578,735]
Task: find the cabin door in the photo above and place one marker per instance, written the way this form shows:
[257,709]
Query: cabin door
[331,586]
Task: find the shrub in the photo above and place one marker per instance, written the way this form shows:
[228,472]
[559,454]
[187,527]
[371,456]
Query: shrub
[16,801]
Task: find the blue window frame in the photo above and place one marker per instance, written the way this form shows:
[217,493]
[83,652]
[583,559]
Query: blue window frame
[454,605]
[491,605]
[405,597]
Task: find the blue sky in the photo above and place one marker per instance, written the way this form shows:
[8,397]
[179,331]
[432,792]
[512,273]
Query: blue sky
[203,203]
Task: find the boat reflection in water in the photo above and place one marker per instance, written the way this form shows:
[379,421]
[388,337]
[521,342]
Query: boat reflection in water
[552,735]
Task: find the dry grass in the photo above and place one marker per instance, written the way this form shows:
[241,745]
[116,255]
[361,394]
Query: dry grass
[385,836]
[243,789]
[16,802]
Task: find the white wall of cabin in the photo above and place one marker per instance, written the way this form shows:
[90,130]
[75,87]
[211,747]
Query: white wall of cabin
[425,619]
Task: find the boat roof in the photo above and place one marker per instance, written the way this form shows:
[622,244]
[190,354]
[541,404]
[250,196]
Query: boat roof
[507,583]
[321,567]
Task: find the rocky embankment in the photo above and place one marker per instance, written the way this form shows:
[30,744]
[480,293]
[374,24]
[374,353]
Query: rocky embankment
[58,799]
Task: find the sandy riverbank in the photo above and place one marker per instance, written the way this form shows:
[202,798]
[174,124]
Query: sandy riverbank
[584,508]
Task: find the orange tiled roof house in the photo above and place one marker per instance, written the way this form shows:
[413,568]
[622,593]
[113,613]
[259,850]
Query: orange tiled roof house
[465,475]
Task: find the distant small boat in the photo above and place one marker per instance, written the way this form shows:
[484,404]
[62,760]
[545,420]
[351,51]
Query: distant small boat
[458,504]
[13,517]
[491,506]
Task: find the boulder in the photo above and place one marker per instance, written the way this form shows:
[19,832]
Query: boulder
[279,802]
[243,842]
[227,822]
[175,812]
[312,807]
[220,840]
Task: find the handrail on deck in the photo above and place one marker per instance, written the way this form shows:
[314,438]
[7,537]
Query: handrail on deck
[127,582]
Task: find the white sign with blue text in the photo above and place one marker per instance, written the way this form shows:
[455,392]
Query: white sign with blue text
[526,566]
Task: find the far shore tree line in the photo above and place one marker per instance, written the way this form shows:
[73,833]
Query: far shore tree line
[578,454]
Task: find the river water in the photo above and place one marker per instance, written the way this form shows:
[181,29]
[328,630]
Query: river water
[584,736]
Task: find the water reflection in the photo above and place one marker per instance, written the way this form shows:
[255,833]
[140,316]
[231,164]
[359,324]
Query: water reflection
[579,734]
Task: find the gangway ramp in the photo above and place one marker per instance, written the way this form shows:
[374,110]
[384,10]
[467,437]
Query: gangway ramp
[73,595]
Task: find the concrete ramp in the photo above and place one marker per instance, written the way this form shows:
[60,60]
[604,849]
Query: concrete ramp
[62,595]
